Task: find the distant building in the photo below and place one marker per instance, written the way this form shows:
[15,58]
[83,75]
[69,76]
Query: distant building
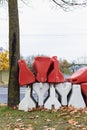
[4,76]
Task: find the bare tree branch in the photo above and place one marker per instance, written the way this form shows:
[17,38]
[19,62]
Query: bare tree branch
[74,2]
[24,2]
[66,4]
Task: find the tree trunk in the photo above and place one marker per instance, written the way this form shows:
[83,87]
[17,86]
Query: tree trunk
[14,54]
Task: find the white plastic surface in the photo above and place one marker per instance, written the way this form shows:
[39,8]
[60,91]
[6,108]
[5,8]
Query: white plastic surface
[76,98]
[52,100]
[63,89]
[27,102]
[40,89]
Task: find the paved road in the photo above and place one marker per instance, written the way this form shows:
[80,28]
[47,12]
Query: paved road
[4,94]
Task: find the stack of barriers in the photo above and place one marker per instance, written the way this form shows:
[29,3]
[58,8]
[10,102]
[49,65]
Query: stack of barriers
[48,83]
[79,79]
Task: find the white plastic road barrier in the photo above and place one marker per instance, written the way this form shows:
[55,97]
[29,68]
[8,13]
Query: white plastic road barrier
[52,101]
[40,89]
[63,89]
[27,102]
[76,98]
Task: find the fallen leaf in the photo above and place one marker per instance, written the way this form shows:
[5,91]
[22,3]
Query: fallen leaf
[18,120]
[85,110]
[63,114]
[63,108]
[33,117]
[30,128]
[70,108]
[72,121]
[54,110]
[16,129]
[20,125]
[48,120]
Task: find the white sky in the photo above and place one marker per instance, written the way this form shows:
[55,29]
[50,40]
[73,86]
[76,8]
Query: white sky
[48,30]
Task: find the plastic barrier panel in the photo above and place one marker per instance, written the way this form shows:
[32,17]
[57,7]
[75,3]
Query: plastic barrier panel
[25,75]
[55,76]
[63,89]
[27,102]
[84,90]
[41,66]
[76,98]
[80,76]
[52,101]
[40,89]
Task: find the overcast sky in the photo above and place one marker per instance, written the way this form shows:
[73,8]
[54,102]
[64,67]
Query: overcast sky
[46,29]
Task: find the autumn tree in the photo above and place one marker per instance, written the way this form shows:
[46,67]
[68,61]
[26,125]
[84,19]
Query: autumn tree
[4,60]
[64,66]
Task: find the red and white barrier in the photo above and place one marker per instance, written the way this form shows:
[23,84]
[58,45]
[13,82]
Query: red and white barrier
[48,79]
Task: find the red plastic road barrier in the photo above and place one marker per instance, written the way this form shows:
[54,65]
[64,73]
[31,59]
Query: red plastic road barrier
[80,76]
[25,75]
[84,90]
[41,65]
[55,76]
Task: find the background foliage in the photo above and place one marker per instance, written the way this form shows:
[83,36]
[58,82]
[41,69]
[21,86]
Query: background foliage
[4,60]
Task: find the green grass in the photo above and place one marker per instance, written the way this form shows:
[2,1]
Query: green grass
[42,120]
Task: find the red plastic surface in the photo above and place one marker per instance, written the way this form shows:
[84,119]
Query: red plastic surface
[55,76]
[84,90]
[80,76]
[41,66]
[25,75]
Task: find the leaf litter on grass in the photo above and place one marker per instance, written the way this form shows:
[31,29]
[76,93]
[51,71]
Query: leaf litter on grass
[67,118]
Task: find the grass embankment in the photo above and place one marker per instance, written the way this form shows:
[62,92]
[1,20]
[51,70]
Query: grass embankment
[62,119]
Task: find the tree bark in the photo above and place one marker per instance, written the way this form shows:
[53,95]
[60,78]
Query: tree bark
[14,54]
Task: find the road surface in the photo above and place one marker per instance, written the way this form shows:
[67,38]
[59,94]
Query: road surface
[4,94]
